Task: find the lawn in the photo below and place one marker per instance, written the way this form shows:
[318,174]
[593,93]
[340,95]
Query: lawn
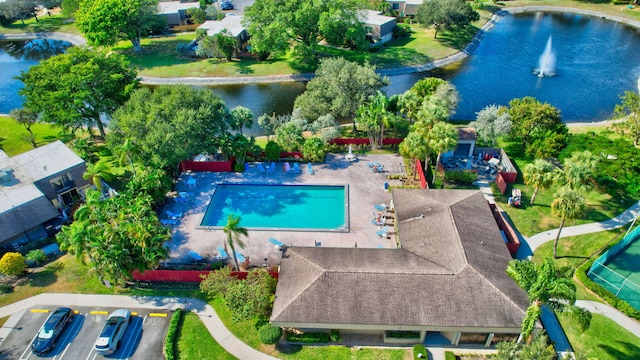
[195,342]
[51,23]
[13,136]
[604,340]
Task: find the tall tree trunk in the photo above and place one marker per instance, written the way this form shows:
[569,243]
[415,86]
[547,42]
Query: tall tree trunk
[535,193]
[435,171]
[555,242]
[100,127]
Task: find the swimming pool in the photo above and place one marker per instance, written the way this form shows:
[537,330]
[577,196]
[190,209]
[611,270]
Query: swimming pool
[280,207]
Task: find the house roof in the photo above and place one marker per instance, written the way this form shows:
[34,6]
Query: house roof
[450,272]
[22,204]
[26,216]
[172,7]
[372,17]
[467,133]
[230,22]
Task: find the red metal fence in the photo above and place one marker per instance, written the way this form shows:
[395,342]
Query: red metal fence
[183,276]
[420,171]
[513,242]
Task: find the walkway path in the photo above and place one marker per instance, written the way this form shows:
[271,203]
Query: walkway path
[541,238]
[206,313]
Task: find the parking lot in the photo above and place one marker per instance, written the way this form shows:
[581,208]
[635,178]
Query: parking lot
[143,338]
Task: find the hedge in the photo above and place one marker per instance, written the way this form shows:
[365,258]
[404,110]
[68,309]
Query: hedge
[448,355]
[403,334]
[308,338]
[172,335]
[269,334]
[606,295]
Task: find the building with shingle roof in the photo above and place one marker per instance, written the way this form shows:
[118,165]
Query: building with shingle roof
[35,187]
[446,277]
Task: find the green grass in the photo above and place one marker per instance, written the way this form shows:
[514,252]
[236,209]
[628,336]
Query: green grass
[195,342]
[44,24]
[13,134]
[604,340]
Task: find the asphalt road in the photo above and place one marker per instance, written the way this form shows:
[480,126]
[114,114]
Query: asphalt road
[143,339]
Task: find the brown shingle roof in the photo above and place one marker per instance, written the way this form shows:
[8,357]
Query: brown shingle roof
[449,272]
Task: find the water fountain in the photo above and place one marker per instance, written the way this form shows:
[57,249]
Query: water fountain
[547,62]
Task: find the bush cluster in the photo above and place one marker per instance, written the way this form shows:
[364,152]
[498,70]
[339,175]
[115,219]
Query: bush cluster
[308,338]
[172,335]
[419,349]
[606,295]
[461,176]
[335,335]
[272,151]
[269,334]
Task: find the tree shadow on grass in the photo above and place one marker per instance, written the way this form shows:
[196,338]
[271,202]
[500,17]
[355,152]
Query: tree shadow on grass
[46,276]
[44,24]
[457,38]
[624,350]
[288,348]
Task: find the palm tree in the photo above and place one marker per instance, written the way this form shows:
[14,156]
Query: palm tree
[413,147]
[241,117]
[545,285]
[233,231]
[538,174]
[578,170]
[98,171]
[443,137]
[568,204]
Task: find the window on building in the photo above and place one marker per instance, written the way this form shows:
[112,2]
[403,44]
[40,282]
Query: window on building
[62,183]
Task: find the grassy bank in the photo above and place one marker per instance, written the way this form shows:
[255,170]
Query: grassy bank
[13,136]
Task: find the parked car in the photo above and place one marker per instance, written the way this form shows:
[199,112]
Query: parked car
[226,5]
[111,335]
[51,330]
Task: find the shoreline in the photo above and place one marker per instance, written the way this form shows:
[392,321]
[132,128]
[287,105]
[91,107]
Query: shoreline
[78,40]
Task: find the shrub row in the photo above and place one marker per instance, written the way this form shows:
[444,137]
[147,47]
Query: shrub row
[308,338]
[403,334]
[403,187]
[448,355]
[172,334]
[269,334]
[461,176]
[606,295]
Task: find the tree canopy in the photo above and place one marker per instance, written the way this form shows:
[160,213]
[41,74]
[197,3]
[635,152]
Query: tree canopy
[492,122]
[446,14]
[339,88]
[277,25]
[169,124]
[18,9]
[116,235]
[105,22]
[73,90]
[538,126]
[546,285]
[628,111]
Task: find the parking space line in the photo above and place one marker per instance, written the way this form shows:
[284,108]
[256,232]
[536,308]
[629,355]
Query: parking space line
[96,312]
[39,311]
[158,314]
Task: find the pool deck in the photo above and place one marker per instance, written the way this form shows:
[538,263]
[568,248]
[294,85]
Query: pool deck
[366,189]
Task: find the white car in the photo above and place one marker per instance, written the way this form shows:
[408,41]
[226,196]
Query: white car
[111,335]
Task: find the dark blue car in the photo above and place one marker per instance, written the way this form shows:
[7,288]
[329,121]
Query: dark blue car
[51,330]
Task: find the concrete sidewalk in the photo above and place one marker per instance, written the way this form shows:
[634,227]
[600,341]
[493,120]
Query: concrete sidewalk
[612,313]
[206,313]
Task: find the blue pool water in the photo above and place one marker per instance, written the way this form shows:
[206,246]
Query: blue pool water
[279,207]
